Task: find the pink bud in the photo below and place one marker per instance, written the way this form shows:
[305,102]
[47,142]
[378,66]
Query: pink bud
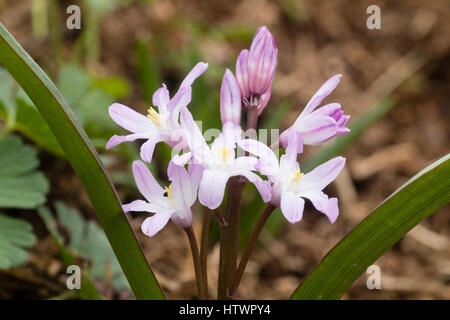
[242,73]
[262,61]
[230,99]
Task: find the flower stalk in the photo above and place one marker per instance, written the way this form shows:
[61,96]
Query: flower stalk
[201,287]
[250,246]
[204,246]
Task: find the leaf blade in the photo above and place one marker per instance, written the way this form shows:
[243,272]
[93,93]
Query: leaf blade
[417,199]
[86,163]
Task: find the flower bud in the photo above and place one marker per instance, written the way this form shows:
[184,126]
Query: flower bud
[230,99]
[262,61]
[242,74]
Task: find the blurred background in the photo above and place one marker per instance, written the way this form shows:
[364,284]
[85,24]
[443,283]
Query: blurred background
[395,86]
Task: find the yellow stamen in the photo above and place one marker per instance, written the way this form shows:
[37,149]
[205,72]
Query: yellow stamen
[225,154]
[154,116]
[297,174]
[168,190]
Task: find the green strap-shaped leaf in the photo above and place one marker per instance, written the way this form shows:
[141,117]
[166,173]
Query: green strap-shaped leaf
[86,163]
[417,199]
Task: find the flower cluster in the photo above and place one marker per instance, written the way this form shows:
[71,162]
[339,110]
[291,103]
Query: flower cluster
[209,167]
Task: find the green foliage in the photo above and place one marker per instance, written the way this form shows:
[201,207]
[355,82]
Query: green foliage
[19,114]
[148,70]
[87,240]
[21,185]
[90,99]
[417,199]
[15,234]
[86,163]
[88,290]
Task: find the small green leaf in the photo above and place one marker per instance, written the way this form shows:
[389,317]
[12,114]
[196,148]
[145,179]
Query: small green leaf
[20,115]
[21,185]
[30,123]
[421,196]
[15,234]
[90,242]
[88,290]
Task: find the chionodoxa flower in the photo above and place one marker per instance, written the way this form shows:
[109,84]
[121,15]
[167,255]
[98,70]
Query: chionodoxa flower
[201,170]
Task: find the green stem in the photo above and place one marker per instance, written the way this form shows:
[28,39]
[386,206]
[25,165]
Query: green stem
[197,264]
[220,218]
[204,247]
[229,235]
[252,117]
[229,238]
[250,246]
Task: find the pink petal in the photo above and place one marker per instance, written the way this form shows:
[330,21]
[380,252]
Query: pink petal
[230,99]
[180,100]
[141,206]
[161,98]
[264,187]
[147,149]
[195,174]
[327,109]
[316,130]
[129,119]
[196,142]
[268,162]
[145,182]
[183,194]
[323,92]
[212,188]
[155,223]
[196,72]
[328,206]
[181,160]
[322,175]
[115,140]
[242,73]
[292,206]
[288,161]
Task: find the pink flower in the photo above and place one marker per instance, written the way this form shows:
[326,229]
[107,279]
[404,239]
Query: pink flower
[290,186]
[174,202]
[255,69]
[316,126]
[219,162]
[230,100]
[156,126]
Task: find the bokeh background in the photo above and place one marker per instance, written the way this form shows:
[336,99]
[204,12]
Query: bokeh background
[395,86]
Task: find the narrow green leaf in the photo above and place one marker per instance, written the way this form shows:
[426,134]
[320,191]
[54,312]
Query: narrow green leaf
[148,71]
[417,199]
[86,163]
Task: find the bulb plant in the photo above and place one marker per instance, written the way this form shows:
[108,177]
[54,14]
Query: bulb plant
[198,170]
[234,158]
